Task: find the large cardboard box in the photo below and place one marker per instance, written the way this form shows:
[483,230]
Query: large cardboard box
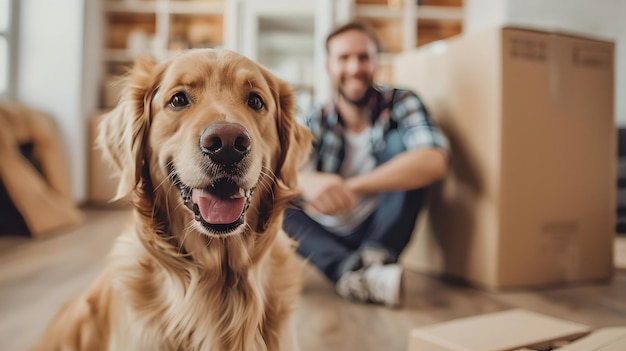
[530,196]
[515,330]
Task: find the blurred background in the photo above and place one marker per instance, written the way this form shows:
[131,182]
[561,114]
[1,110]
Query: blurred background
[61,57]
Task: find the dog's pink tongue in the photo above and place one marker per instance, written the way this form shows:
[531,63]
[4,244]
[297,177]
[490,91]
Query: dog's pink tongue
[215,210]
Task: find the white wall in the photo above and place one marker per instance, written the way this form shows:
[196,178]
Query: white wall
[597,17]
[482,14]
[602,18]
[620,64]
[50,74]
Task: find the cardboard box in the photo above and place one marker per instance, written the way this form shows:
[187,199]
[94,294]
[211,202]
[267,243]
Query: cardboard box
[103,180]
[604,339]
[515,330]
[501,331]
[530,197]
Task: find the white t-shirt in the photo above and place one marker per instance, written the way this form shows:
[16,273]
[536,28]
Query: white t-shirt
[358,160]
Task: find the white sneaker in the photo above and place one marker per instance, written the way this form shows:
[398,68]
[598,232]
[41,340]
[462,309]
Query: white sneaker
[352,286]
[377,284]
[384,284]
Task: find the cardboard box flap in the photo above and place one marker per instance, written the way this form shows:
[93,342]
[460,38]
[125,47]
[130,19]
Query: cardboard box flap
[560,32]
[604,339]
[500,331]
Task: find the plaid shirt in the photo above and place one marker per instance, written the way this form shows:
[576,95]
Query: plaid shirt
[392,109]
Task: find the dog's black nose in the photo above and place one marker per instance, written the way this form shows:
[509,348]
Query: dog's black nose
[225,143]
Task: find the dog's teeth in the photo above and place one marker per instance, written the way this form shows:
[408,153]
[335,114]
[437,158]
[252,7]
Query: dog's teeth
[196,212]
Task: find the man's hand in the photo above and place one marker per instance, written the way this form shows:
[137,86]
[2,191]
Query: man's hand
[326,193]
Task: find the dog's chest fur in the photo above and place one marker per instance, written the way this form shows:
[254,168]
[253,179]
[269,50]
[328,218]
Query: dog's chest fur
[197,310]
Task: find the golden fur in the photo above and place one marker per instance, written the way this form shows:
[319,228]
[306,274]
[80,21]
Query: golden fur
[172,284]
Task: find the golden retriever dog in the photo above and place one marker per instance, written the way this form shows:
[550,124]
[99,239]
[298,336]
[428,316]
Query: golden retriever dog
[208,151]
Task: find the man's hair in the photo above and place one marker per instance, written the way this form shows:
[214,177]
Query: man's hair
[358,26]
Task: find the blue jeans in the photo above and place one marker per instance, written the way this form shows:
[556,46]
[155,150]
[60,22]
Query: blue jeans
[388,228]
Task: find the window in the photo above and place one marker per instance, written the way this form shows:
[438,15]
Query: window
[6,25]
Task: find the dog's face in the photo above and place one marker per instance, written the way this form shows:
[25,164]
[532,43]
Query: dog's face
[212,135]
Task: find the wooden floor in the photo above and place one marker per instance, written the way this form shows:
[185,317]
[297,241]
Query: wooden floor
[36,277]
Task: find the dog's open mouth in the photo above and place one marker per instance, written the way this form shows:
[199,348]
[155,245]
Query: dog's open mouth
[220,207]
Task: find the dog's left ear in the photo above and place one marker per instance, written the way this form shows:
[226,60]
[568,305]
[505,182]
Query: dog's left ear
[295,145]
[295,140]
[123,132]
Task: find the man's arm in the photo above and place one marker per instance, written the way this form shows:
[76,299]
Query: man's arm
[424,162]
[407,171]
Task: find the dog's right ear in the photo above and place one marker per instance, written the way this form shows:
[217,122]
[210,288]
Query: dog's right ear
[123,132]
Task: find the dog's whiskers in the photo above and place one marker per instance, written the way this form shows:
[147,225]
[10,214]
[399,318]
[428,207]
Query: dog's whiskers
[266,181]
[169,176]
[269,174]
[167,205]
[264,186]
[268,171]
[178,205]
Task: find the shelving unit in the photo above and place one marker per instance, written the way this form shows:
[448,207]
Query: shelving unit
[403,25]
[159,28]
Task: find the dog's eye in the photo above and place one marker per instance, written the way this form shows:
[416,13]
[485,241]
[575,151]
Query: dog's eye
[255,102]
[179,101]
